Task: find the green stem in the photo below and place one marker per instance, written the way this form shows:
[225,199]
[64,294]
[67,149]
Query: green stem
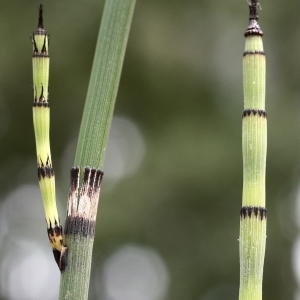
[92,143]
[253,212]
[41,124]
[104,82]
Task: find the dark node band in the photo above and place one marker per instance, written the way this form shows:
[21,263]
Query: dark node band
[259,112]
[256,211]
[55,234]
[256,52]
[80,226]
[46,171]
[41,104]
[54,231]
[88,173]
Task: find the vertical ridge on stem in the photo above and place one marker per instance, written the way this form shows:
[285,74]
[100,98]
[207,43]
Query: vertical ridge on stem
[253,214]
[41,123]
[92,143]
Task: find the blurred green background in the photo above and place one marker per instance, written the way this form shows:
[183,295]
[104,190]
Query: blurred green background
[168,221]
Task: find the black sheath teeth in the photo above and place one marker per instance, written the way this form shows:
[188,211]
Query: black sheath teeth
[74,179]
[46,171]
[99,176]
[256,211]
[92,177]
[55,231]
[259,112]
[86,175]
[81,219]
[35,50]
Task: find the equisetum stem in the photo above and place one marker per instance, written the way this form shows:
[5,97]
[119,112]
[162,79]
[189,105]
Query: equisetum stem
[86,175]
[253,213]
[41,122]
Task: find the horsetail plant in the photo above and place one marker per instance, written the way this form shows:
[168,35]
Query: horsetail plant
[253,214]
[86,175]
[41,122]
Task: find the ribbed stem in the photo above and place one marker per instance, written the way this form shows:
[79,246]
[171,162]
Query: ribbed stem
[253,213]
[41,122]
[92,142]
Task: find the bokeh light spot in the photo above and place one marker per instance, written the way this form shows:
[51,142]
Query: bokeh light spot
[135,273]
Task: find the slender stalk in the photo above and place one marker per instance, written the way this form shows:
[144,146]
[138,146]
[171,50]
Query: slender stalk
[92,141]
[41,121]
[253,213]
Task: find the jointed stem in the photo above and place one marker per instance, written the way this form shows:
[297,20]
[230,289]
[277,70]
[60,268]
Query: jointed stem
[253,213]
[41,121]
[92,142]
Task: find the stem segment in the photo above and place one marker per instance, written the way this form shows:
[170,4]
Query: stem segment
[92,142]
[41,122]
[253,213]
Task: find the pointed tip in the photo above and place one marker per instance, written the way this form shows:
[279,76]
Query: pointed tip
[253,28]
[40,23]
[40,28]
[254,6]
